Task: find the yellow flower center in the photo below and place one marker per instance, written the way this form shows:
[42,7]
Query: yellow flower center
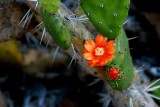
[99,51]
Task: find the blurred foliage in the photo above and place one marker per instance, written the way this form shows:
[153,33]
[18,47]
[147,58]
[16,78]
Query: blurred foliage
[1,2]
[10,53]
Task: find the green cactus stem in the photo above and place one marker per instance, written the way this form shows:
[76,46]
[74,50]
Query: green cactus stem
[108,16]
[51,6]
[123,63]
[56,27]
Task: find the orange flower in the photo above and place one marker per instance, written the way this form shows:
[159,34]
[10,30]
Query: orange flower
[100,52]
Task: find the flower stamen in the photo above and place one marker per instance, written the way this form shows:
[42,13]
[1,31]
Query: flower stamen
[99,51]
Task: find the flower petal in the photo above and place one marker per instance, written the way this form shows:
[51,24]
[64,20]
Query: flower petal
[93,62]
[109,57]
[109,47]
[110,50]
[109,44]
[99,60]
[89,45]
[102,63]
[88,56]
[100,40]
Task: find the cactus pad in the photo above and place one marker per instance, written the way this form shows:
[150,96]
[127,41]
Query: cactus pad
[108,16]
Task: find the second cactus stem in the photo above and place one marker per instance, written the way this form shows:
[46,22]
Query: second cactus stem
[122,76]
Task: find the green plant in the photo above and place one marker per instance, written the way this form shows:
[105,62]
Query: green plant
[108,16]
[55,26]
[122,63]
[51,6]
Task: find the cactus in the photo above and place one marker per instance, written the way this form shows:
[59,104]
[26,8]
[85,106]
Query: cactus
[56,27]
[51,6]
[123,63]
[108,16]
[119,71]
[54,23]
